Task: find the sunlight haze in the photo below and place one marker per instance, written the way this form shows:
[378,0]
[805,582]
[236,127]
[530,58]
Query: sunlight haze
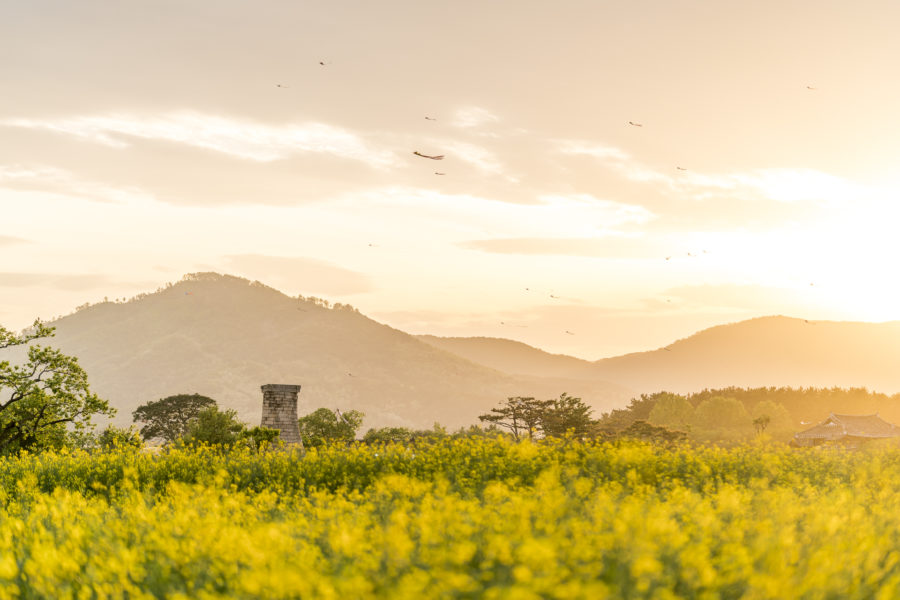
[616,175]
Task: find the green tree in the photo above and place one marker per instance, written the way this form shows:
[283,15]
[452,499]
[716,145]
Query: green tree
[214,427]
[519,415]
[325,425]
[169,418]
[45,401]
[382,435]
[566,414]
[672,411]
[118,437]
[772,416]
[619,419]
[722,417]
[260,438]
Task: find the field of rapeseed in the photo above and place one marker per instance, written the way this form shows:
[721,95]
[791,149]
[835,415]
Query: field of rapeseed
[471,518]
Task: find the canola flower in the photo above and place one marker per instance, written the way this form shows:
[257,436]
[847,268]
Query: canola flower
[466,518]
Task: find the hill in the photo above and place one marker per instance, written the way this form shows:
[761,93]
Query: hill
[767,351]
[224,336]
[512,357]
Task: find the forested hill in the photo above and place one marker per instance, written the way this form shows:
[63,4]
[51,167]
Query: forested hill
[224,336]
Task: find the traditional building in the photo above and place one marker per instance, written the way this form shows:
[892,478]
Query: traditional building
[849,430]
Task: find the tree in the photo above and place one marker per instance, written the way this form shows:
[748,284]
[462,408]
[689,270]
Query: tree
[771,415]
[400,435]
[672,411]
[642,430]
[114,437]
[260,438]
[566,414]
[45,400]
[519,415]
[214,427]
[638,409]
[722,416]
[761,423]
[169,418]
[325,425]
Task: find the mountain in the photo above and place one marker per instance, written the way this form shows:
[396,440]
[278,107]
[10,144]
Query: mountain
[224,337]
[512,357]
[767,351]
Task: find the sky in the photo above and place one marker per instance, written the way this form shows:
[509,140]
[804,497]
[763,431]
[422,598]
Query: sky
[616,174]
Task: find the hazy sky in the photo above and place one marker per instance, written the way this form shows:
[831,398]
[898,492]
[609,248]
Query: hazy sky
[140,141]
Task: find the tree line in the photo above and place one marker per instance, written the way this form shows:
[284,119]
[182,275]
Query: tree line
[46,402]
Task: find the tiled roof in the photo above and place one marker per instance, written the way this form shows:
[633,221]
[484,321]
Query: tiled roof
[840,426]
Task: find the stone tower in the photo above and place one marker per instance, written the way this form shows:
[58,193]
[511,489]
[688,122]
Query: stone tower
[280,411]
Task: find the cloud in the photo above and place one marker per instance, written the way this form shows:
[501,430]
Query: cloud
[782,185]
[611,214]
[473,116]
[615,159]
[456,217]
[309,275]
[57,281]
[483,159]
[238,138]
[606,247]
[60,181]
[9,240]
[746,297]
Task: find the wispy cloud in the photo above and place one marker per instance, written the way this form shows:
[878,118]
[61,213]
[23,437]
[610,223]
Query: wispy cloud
[785,185]
[464,215]
[606,247]
[481,158]
[473,116]
[611,214]
[9,240]
[239,138]
[781,185]
[59,181]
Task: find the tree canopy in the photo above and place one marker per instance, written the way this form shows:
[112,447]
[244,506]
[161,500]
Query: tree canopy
[45,400]
[169,418]
[214,427]
[551,418]
[325,425]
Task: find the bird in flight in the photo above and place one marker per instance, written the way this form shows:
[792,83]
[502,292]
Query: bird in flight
[667,349]
[668,258]
[809,87]
[554,297]
[569,332]
[430,119]
[436,157]
[439,173]
[278,85]
[681,168]
[635,124]
[323,63]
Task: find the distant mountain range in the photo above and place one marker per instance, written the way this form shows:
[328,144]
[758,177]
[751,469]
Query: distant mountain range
[224,337]
[767,351]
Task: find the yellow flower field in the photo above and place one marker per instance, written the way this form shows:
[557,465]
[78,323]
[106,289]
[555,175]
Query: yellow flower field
[476,518]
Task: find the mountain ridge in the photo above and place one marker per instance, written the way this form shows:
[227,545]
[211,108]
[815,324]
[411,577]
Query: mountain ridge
[225,336]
